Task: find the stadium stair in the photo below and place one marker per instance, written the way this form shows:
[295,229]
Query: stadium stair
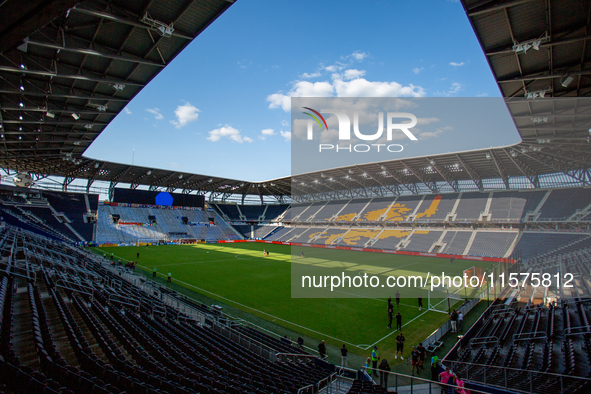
[413,215]
[362,210]
[470,242]
[533,216]
[374,239]
[336,215]
[513,245]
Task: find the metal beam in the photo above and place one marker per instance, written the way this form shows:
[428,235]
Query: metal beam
[84,51]
[53,74]
[129,22]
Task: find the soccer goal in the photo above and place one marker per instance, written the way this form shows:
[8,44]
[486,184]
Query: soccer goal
[146,241]
[444,299]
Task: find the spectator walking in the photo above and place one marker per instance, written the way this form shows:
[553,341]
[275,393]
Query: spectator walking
[300,342]
[454,321]
[322,349]
[446,377]
[422,354]
[384,369]
[414,360]
[461,385]
[344,352]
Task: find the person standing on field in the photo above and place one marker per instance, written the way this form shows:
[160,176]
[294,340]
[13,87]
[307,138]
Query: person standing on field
[344,352]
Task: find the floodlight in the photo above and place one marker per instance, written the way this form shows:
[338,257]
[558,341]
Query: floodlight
[488,156]
[567,81]
[75,116]
[50,114]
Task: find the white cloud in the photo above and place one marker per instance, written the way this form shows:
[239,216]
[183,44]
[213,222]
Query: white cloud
[482,95]
[455,87]
[456,64]
[432,134]
[155,111]
[284,123]
[185,114]
[331,69]
[426,121]
[227,131]
[266,133]
[312,75]
[353,74]
[286,135]
[340,87]
[361,87]
[300,89]
[359,55]
[127,111]
[417,70]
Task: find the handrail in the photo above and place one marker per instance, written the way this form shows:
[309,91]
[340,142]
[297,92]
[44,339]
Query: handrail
[425,381]
[301,390]
[294,356]
[517,370]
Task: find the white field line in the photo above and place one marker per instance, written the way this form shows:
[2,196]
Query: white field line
[287,321]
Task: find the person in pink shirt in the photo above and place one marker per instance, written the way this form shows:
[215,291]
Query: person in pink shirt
[461,389]
[446,377]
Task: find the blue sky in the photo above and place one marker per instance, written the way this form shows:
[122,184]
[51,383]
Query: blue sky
[222,106]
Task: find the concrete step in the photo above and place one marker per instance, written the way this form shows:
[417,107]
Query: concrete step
[58,332]
[24,343]
[92,341]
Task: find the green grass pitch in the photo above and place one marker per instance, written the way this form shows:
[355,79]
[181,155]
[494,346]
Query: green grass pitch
[238,274]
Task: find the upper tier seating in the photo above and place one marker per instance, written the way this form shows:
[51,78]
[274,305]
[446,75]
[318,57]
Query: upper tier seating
[562,203]
[471,205]
[436,207]
[534,243]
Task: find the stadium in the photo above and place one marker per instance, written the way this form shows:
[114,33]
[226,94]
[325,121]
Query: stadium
[123,278]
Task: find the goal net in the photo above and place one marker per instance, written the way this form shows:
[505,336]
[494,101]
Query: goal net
[146,241]
[444,299]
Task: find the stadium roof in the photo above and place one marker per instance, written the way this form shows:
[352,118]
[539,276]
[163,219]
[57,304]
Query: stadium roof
[67,68]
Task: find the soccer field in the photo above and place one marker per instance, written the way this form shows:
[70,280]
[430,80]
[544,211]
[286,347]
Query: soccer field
[238,274]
